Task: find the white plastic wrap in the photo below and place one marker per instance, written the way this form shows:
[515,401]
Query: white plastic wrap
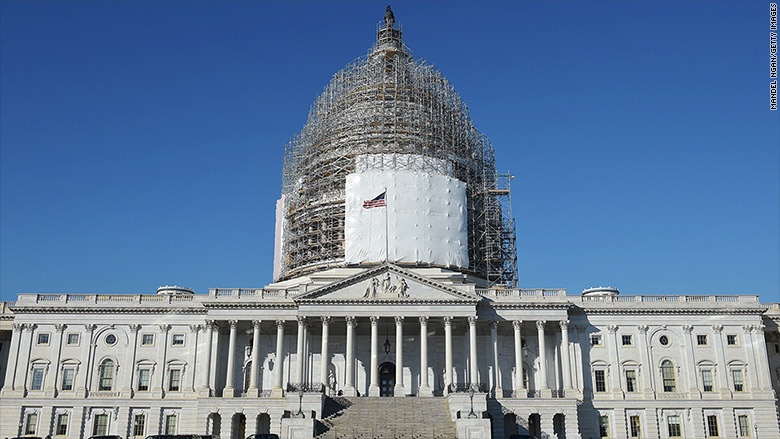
[425,218]
[278,238]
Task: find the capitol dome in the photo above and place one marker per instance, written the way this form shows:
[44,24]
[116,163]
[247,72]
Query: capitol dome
[393,123]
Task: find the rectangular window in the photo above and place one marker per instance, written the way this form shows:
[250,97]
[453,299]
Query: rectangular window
[603,426]
[701,340]
[32,424]
[175,380]
[634,423]
[712,425]
[139,424]
[627,340]
[67,379]
[147,339]
[731,340]
[100,427]
[744,426]
[736,375]
[62,424]
[143,379]
[777,348]
[630,381]
[601,382]
[43,338]
[706,380]
[170,424]
[178,340]
[595,340]
[673,423]
[73,339]
[37,379]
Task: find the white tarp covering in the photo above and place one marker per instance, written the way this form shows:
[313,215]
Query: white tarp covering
[278,238]
[425,218]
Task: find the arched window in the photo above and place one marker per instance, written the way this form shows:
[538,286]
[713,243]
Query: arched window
[106,375]
[667,374]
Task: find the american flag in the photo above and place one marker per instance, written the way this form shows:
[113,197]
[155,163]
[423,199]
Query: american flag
[378,201]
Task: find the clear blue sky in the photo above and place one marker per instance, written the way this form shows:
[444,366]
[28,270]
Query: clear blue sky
[141,142]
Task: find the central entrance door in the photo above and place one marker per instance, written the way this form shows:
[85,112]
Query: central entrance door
[386,379]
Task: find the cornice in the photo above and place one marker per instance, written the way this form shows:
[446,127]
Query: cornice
[675,311]
[105,310]
[250,305]
[385,302]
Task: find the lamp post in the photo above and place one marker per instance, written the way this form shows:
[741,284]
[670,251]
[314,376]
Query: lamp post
[300,403]
[472,415]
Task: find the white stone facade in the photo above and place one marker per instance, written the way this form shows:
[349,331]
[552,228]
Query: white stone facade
[223,363]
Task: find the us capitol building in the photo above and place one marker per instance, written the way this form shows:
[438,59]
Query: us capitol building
[394,312]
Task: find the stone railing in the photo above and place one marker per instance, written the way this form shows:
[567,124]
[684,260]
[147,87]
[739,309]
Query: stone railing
[129,299]
[559,393]
[494,293]
[670,299]
[534,394]
[252,293]
[103,394]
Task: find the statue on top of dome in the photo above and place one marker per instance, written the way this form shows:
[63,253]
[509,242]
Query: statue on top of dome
[389,18]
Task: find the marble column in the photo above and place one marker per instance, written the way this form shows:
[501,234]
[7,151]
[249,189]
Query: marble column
[324,356]
[499,392]
[690,361]
[253,377]
[447,354]
[373,388]
[349,380]
[567,366]
[13,357]
[520,390]
[229,390]
[51,383]
[278,391]
[753,377]
[614,359]
[720,357]
[644,358]
[128,390]
[425,389]
[473,378]
[204,387]
[299,351]
[399,357]
[543,386]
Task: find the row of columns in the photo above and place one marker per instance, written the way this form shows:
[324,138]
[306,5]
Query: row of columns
[425,388]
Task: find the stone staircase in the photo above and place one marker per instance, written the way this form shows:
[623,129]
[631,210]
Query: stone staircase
[386,418]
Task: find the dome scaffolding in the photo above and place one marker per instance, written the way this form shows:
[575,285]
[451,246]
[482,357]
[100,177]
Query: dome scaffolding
[390,104]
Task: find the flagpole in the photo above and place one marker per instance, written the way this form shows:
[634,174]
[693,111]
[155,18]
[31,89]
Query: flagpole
[387,233]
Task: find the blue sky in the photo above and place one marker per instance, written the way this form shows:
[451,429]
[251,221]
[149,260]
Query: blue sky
[141,142]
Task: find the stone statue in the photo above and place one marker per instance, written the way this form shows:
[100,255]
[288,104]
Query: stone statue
[387,286]
[389,18]
[371,291]
[402,288]
[331,381]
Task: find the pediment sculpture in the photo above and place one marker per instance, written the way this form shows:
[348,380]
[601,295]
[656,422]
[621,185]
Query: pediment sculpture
[386,289]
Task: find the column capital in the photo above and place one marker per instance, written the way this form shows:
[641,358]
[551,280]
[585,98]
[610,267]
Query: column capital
[60,327]
[447,320]
[193,328]
[325,320]
[90,327]
[717,328]
[280,324]
[642,328]
[472,320]
[351,321]
[494,324]
[211,323]
[256,323]
[374,320]
[423,320]
[540,324]
[399,320]
[18,327]
[687,328]
[135,327]
[165,327]
[564,324]
[517,324]
[301,320]
[233,323]
[612,328]
[747,328]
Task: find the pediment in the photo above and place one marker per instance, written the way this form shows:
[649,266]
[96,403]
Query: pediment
[387,283]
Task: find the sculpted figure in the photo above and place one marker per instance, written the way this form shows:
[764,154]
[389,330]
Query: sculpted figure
[403,288]
[387,286]
[371,291]
[389,17]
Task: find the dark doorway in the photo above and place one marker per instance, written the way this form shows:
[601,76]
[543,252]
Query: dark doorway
[386,379]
